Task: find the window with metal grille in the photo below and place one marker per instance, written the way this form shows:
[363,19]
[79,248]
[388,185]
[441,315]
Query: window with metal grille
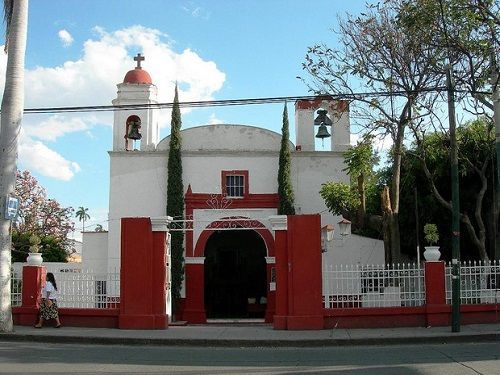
[235,185]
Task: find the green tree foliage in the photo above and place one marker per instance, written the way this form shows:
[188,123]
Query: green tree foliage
[175,197]
[339,198]
[285,188]
[51,248]
[378,55]
[427,167]
[82,214]
[360,161]
[468,31]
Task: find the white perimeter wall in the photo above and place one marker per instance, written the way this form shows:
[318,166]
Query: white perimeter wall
[353,249]
[95,252]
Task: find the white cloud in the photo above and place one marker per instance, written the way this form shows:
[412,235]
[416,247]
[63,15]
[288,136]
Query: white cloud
[57,126]
[382,144]
[92,80]
[35,156]
[65,37]
[196,11]
[214,120]
[355,137]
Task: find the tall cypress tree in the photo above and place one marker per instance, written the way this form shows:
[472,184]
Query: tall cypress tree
[285,189]
[175,198]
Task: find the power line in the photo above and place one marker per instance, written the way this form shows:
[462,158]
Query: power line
[223,103]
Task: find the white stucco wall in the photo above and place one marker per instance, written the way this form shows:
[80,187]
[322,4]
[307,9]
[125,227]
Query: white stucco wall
[95,251]
[227,137]
[309,171]
[138,181]
[353,249]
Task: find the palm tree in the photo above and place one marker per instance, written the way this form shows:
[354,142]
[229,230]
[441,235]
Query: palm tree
[16,20]
[82,215]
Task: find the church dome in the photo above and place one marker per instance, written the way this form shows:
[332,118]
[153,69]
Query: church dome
[137,75]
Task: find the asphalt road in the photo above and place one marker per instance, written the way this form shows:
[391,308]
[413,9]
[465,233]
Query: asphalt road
[453,359]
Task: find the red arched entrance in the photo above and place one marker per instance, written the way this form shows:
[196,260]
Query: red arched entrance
[194,304]
[235,275]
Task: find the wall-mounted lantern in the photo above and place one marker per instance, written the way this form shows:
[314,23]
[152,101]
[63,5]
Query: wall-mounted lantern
[345,227]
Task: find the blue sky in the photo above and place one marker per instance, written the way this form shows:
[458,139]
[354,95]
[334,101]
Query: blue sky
[78,51]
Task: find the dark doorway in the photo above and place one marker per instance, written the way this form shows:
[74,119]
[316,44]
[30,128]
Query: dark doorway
[235,275]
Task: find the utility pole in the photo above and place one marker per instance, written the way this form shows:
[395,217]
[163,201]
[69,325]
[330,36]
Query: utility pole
[455,206]
[417,226]
[496,118]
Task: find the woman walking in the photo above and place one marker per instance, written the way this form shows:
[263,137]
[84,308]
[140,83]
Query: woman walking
[48,308]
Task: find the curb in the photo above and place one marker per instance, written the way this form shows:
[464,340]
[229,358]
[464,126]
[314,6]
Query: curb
[379,341]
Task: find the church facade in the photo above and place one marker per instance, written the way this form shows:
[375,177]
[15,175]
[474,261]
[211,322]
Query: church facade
[230,178]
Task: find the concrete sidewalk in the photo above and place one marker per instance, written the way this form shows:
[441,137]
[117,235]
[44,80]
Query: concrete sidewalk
[254,336]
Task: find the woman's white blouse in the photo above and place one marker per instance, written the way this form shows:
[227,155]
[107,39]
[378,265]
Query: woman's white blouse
[50,290]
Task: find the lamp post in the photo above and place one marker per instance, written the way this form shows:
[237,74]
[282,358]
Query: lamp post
[496,115]
[345,227]
[455,207]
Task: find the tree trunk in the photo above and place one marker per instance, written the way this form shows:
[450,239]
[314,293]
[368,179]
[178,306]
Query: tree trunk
[12,113]
[386,220]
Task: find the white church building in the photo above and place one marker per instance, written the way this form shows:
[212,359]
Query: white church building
[230,176]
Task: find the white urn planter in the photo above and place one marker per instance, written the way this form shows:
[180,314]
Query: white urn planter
[34,259]
[432,253]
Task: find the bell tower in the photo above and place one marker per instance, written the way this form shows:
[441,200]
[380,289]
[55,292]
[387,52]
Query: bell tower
[327,113]
[136,128]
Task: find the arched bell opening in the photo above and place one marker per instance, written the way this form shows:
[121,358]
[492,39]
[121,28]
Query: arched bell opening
[133,133]
[235,275]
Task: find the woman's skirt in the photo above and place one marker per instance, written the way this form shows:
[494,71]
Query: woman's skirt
[49,312]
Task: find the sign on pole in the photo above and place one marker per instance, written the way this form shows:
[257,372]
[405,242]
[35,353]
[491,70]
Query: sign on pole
[11,207]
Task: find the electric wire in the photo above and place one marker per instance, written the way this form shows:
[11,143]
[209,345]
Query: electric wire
[224,103]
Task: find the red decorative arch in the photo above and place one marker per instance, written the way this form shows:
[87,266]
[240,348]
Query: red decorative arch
[195,201]
[234,222]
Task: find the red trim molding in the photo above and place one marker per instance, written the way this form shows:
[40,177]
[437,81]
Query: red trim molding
[339,106]
[198,201]
[264,233]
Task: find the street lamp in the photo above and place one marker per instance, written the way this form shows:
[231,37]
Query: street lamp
[345,227]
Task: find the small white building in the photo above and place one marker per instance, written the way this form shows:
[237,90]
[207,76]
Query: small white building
[230,174]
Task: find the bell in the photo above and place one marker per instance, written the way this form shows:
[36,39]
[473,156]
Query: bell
[322,118]
[322,132]
[134,131]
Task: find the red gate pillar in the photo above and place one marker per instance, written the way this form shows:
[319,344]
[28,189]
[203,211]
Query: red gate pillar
[160,270]
[279,225]
[194,309]
[435,294]
[33,279]
[142,275]
[305,275]
[298,273]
